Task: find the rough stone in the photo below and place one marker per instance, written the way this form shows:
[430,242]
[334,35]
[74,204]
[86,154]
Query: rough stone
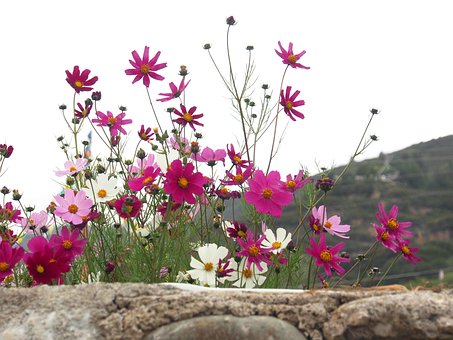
[137,311]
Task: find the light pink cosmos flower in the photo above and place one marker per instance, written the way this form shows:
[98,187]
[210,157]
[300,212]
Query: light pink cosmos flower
[210,156]
[289,57]
[295,183]
[175,91]
[266,193]
[79,81]
[393,226]
[288,102]
[73,207]
[142,164]
[145,68]
[71,168]
[326,256]
[330,224]
[36,222]
[114,123]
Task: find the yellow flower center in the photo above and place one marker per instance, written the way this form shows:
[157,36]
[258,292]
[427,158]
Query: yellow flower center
[67,244]
[143,136]
[84,113]
[247,273]
[72,168]
[208,266]
[289,105]
[238,178]
[315,227]
[187,117]
[102,193]
[224,190]
[267,193]
[111,120]
[4,266]
[253,250]
[384,236]
[147,180]
[78,84]
[241,234]
[328,224]
[326,255]
[237,159]
[290,184]
[405,250]
[183,182]
[144,69]
[73,208]
[40,269]
[292,58]
[276,245]
[392,224]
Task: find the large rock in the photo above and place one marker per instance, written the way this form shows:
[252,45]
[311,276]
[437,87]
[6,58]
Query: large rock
[140,311]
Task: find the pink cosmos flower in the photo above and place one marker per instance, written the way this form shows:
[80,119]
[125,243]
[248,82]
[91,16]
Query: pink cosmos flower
[83,111]
[289,58]
[187,117]
[37,222]
[386,239]
[145,135]
[266,193]
[288,102]
[71,168]
[142,164]
[9,257]
[115,124]
[149,176]
[210,156]
[253,251]
[79,81]
[45,264]
[236,230]
[175,91]
[128,206]
[295,183]
[236,157]
[326,256]
[394,227]
[69,242]
[408,253]
[240,177]
[145,68]
[9,214]
[183,183]
[73,207]
[330,224]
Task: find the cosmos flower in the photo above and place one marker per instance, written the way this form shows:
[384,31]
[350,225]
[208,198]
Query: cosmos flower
[320,220]
[394,227]
[9,257]
[114,123]
[71,168]
[36,222]
[128,206]
[408,253]
[145,134]
[205,270]
[175,92]
[266,193]
[102,189]
[295,183]
[183,183]
[386,239]
[326,256]
[250,277]
[79,81]
[149,176]
[288,102]
[145,68]
[9,214]
[85,110]
[69,242]
[187,117]
[240,177]
[253,251]
[74,206]
[210,156]
[289,57]
[277,241]
[236,157]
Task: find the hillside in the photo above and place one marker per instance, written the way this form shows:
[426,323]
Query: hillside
[419,179]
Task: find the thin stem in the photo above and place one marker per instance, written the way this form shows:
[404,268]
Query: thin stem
[388,269]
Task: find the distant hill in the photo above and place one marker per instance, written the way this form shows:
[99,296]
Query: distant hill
[419,179]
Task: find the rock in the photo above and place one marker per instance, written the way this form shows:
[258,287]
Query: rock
[227,327]
[138,311]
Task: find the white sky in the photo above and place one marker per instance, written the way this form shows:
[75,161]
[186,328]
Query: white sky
[393,55]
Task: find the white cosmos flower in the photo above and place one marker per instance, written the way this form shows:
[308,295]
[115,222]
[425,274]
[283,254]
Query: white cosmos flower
[278,242]
[205,271]
[249,278]
[102,189]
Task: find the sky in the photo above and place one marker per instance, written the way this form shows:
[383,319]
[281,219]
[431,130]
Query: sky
[395,56]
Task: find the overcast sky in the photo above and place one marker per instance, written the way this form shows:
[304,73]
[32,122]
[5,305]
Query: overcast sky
[392,55]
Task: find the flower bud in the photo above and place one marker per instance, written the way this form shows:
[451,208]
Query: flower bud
[230,20]
[62,107]
[123,108]
[141,154]
[374,111]
[5,191]
[96,95]
[207,46]
[109,267]
[183,70]
[249,48]
[16,195]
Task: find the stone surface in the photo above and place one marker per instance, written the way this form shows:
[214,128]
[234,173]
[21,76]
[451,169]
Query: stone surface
[140,311]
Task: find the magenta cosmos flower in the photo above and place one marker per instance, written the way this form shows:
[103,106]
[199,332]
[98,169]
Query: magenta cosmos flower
[289,102]
[183,183]
[394,227]
[145,68]
[385,238]
[128,206]
[266,193]
[240,177]
[83,111]
[69,242]
[289,57]
[71,168]
[408,253]
[73,207]
[319,220]
[145,134]
[295,183]
[210,156]
[326,256]
[187,117]
[253,251]
[236,157]
[149,176]
[115,124]
[9,214]
[79,81]
[175,92]
[9,257]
